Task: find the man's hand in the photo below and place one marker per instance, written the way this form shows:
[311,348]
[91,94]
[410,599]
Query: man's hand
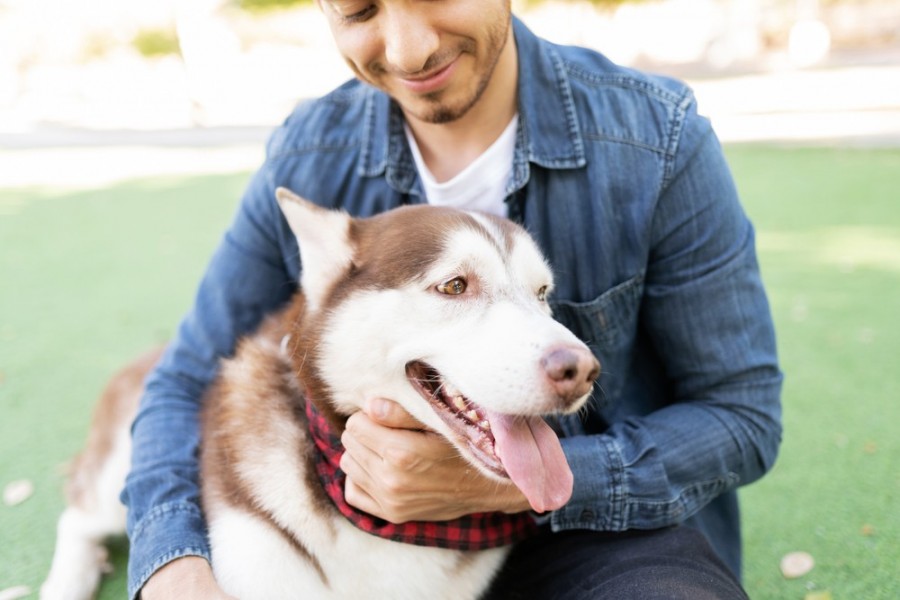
[398,471]
[190,578]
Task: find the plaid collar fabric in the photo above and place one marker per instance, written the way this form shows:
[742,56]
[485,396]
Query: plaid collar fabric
[478,531]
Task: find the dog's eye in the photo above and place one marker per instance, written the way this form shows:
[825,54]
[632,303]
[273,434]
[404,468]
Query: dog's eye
[453,287]
[542,293]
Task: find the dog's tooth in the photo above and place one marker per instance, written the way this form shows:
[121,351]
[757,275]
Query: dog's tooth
[485,424]
[459,402]
[472,416]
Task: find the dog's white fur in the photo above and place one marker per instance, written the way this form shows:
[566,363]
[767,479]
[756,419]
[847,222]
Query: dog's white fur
[489,342]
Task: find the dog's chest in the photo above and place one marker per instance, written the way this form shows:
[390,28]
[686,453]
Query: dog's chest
[383,569]
[274,532]
[291,539]
[335,560]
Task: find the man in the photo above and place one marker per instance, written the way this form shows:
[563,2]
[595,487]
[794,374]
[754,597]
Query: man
[626,190]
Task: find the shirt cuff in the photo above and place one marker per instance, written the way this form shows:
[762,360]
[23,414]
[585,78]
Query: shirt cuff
[167,532]
[598,495]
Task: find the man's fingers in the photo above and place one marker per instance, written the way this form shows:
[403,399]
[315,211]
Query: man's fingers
[402,448]
[390,414]
[359,498]
[357,442]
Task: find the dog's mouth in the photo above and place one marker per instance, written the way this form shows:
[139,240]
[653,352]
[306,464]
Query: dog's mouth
[465,418]
[521,448]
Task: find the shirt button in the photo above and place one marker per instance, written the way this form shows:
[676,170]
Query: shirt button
[587,516]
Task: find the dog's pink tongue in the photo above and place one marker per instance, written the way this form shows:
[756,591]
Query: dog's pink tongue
[533,459]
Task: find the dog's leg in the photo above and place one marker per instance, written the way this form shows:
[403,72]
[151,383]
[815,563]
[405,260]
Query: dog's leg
[80,557]
[93,511]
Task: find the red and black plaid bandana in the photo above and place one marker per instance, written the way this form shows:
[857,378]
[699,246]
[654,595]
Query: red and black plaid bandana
[478,531]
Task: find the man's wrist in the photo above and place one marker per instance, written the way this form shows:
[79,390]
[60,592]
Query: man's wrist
[179,576]
[512,500]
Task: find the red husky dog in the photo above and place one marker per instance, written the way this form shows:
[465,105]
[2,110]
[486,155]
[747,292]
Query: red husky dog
[440,310]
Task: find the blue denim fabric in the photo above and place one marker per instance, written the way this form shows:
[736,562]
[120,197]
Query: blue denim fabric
[626,189]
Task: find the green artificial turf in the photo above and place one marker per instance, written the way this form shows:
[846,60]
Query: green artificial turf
[828,226]
[89,279]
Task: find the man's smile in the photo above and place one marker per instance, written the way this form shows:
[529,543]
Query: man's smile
[431,81]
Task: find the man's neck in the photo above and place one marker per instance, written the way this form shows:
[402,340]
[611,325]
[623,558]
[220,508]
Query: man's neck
[448,148]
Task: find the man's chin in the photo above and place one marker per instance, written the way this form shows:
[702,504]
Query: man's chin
[435,112]
[442,116]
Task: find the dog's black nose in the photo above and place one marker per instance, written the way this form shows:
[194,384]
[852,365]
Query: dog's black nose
[570,371]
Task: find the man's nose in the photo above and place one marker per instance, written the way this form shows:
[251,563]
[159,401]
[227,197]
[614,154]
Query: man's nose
[409,41]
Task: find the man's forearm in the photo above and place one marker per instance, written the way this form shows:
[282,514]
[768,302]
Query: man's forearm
[190,577]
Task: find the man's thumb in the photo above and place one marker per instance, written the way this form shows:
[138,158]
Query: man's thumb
[390,414]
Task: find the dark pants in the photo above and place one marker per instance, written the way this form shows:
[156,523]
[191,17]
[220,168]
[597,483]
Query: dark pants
[667,564]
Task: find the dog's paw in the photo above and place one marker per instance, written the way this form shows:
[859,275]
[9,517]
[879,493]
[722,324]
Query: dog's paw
[81,586]
[77,579]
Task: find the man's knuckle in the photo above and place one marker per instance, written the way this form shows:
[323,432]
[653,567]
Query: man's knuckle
[346,463]
[393,484]
[394,511]
[400,458]
[350,491]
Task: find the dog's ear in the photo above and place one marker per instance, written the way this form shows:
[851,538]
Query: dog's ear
[323,235]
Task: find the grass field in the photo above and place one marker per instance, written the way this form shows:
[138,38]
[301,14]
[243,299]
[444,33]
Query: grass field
[829,241]
[90,278]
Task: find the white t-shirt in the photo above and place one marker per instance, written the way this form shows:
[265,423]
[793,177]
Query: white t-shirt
[481,185]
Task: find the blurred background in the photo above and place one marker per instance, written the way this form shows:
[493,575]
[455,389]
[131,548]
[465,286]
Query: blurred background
[221,73]
[128,130]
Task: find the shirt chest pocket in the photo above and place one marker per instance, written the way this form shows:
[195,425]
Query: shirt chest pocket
[608,325]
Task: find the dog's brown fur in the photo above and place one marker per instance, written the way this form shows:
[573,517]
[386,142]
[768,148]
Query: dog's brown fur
[259,483]
[117,405]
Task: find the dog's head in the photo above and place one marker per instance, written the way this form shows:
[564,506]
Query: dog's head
[444,312]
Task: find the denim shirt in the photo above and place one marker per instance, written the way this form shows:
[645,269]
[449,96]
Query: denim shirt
[626,190]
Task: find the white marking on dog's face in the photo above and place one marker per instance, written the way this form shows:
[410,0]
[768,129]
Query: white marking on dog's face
[445,313]
[523,259]
[488,339]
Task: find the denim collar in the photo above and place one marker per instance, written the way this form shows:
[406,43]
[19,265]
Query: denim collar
[549,134]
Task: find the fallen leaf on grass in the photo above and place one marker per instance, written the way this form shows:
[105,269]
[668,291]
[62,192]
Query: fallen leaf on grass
[14,593]
[870,448]
[17,492]
[867,530]
[796,564]
[819,595]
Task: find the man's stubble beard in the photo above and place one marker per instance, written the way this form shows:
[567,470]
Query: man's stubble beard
[439,113]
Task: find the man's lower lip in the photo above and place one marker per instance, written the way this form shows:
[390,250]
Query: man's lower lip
[432,83]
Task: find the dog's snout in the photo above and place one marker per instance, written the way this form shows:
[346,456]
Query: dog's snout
[570,371]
